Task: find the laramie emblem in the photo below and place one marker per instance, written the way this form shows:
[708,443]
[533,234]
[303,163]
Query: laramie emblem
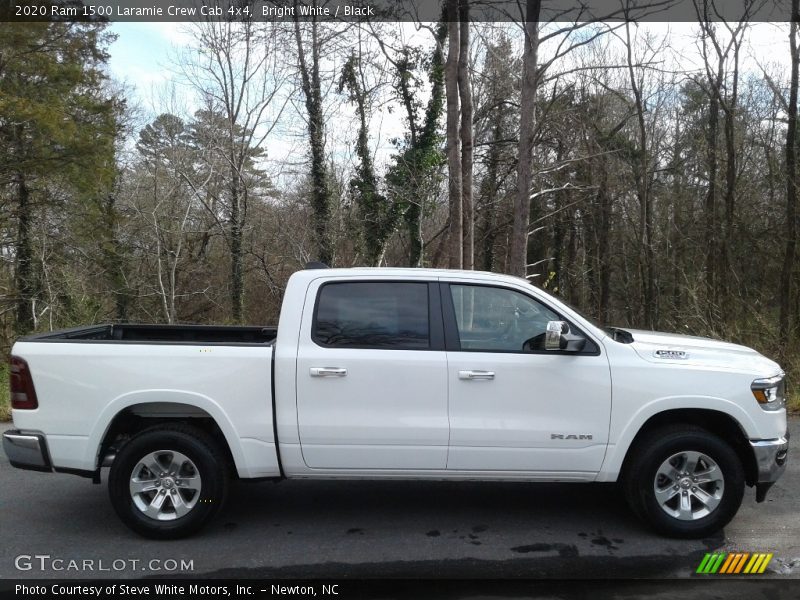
[570,436]
[673,354]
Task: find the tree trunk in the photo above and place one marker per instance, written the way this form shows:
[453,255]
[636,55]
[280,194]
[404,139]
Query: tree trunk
[413,220]
[237,275]
[424,144]
[518,258]
[487,231]
[378,215]
[785,323]
[572,250]
[454,187]
[641,176]
[711,203]
[604,243]
[23,275]
[560,199]
[320,193]
[113,263]
[726,269]
[678,223]
[466,134]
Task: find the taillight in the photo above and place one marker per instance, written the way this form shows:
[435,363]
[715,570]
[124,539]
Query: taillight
[23,394]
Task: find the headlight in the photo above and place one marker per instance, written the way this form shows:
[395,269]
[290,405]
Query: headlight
[770,392]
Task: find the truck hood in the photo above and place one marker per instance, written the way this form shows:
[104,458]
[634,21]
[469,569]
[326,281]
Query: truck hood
[658,347]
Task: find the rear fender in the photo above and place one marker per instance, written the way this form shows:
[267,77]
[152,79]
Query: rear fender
[188,399]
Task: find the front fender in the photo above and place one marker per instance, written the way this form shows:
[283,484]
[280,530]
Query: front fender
[624,432]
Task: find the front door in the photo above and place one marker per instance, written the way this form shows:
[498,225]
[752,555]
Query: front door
[372,377]
[515,409]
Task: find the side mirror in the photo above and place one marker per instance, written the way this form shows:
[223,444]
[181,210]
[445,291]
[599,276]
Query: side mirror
[559,337]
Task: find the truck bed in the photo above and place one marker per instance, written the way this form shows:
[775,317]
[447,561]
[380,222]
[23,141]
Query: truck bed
[151,371]
[148,333]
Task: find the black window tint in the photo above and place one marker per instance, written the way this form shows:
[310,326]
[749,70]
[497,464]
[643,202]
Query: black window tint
[498,319]
[373,315]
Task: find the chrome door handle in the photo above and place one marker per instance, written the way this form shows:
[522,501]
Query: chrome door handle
[470,375]
[328,371]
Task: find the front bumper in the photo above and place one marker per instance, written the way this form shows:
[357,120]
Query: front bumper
[770,458]
[27,450]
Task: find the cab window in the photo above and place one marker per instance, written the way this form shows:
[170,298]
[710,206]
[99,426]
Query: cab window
[388,315]
[496,319]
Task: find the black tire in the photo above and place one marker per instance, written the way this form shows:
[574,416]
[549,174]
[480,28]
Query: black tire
[203,451]
[658,446]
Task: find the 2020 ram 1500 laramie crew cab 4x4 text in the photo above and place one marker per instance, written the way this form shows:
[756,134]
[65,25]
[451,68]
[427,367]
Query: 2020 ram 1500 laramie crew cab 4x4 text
[407,374]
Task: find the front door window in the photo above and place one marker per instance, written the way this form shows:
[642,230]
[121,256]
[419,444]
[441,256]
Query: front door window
[492,319]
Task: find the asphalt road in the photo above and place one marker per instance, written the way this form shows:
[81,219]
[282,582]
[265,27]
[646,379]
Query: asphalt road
[385,529]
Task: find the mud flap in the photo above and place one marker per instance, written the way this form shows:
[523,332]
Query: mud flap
[762,489]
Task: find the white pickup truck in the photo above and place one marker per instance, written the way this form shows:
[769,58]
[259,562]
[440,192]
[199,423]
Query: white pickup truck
[406,374]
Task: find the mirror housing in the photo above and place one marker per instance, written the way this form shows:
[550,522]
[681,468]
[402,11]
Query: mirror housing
[559,337]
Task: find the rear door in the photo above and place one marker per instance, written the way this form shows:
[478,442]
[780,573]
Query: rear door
[372,376]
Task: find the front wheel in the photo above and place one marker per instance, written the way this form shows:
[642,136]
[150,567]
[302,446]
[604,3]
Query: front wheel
[684,481]
[168,481]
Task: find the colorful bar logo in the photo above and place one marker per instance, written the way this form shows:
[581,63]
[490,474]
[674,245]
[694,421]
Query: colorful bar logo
[735,563]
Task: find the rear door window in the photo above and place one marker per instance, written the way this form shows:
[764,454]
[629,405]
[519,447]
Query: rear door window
[380,315]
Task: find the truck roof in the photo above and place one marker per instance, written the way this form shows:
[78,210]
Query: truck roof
[310,274]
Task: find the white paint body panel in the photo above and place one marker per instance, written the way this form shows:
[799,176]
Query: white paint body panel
[388,412]
[378,416]
[397,414]
[81,387]
[507,423]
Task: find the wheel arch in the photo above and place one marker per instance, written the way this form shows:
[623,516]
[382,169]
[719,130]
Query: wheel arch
[131,413]
[716,422]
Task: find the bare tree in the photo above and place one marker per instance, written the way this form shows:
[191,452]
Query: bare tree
[466,137]
[723,93]
[237,70]
[530,59]
[412,179]
[321,194]
[496,100]
[378,213]
[785,323]
[163,202]
[454,185]
[641,177]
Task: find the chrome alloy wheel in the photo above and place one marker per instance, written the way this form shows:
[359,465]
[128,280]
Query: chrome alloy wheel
[689,486]
[165,485]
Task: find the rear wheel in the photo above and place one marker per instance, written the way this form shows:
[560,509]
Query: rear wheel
[168,481]
[684,481]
